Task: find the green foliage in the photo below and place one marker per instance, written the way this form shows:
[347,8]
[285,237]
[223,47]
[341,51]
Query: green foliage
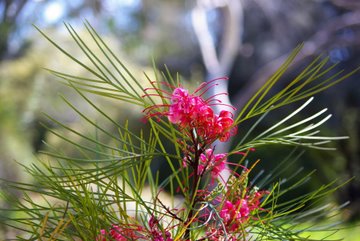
[74,197]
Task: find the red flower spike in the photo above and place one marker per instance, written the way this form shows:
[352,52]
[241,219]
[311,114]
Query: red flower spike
[191,112]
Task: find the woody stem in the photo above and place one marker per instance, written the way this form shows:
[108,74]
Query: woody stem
[194,186]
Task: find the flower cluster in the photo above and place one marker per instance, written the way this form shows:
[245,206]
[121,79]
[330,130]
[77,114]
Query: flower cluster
[191,112]
[236,213]
[156,233]
[233,214]
[209,161]
[127,232]
[120,233]
[235,206]
[232,202]
[194,114]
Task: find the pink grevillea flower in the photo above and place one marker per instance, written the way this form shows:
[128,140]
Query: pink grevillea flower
[224,125]
[234,214]
[117,233]
[209,161]
[188,110]
[218,234]
[156,233]
[193,113]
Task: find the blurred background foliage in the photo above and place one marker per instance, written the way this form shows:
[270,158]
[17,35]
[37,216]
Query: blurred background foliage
[248,40]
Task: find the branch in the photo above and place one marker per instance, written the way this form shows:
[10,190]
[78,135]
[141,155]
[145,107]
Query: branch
[218,65]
